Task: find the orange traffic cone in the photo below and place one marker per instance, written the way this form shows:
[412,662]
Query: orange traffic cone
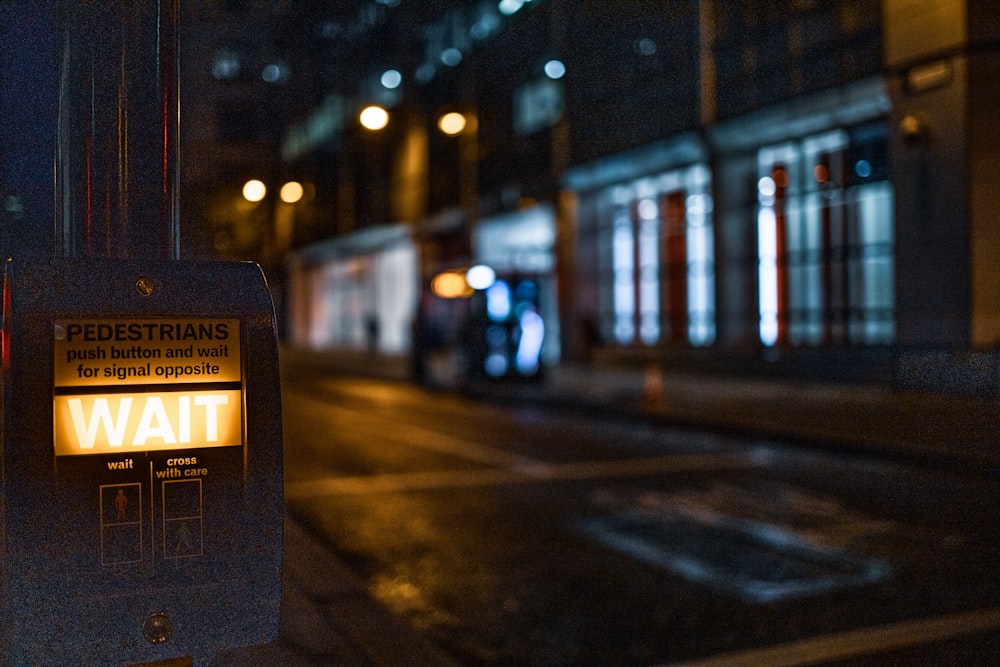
[653,395]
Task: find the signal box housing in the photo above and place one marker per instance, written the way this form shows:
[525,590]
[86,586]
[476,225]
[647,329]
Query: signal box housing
[141,462]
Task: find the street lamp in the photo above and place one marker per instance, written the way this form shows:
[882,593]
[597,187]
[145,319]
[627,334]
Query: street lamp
[291,192]
[282,212]
[465,127]
[452,123]
[254,191]
[373,117]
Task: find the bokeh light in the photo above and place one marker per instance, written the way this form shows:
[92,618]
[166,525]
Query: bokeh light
[374,117]
[254,190]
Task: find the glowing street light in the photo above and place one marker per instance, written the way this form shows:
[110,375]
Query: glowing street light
[291,192]
[465,128]
[452,123]
[374,117]
[391,79]
[254,190]
[555,69]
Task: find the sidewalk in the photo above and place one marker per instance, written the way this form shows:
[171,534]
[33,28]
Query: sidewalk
[860,417]
[328,618]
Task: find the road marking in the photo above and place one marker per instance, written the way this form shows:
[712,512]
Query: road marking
[793,542]
[855,643]
[776,563]
[533,471]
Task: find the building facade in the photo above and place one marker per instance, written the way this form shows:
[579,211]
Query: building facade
[794,187]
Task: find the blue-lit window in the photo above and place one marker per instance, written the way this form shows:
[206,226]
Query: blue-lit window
[825,239]
[701,261]
[226,65]
[623,263]
[538,104]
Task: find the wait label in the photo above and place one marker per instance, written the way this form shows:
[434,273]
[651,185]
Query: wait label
[146,385]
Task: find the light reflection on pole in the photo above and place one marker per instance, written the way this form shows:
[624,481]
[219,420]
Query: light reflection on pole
[116,167]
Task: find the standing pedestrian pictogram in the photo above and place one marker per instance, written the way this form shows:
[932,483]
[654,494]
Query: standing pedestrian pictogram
[121,506]
[121,523]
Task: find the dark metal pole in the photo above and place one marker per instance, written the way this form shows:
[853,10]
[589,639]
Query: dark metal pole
[116,168]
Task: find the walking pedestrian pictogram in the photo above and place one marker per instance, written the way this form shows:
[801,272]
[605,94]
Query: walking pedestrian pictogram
[182,519]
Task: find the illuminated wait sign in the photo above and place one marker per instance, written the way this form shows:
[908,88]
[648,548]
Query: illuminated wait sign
[146,385]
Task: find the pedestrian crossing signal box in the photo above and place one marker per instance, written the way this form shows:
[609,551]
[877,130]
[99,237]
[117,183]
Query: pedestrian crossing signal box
[140,462]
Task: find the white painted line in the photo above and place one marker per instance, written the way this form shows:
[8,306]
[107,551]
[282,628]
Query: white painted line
[513,474]
[806,568]
[855,643]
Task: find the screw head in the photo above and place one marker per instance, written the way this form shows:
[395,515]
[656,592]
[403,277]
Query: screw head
[145,286]
[157,628]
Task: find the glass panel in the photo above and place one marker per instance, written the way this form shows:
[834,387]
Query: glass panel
[624,280]
[701,259]
[826,267]
[767,271]
[649,283]
[875,290]
[634,273]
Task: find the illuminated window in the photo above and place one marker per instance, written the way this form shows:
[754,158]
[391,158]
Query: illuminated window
[700,264]
[391,79]
[343,296]
[276,72]
[623,261]
[226,65]
[657,256]
[538,104]
[767,268]
[648,270]
[825,241]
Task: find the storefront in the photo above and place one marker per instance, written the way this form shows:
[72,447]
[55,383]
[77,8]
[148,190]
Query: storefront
[357,292]
[520,248]
[498,320]
[645,243]
[806,223]
[771,230]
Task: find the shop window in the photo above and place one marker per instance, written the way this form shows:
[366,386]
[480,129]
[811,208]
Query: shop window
[700,263]
[657,259]
[623,262]
[825,242]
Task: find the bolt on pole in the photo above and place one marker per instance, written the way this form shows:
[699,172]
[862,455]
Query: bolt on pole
[116,164]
